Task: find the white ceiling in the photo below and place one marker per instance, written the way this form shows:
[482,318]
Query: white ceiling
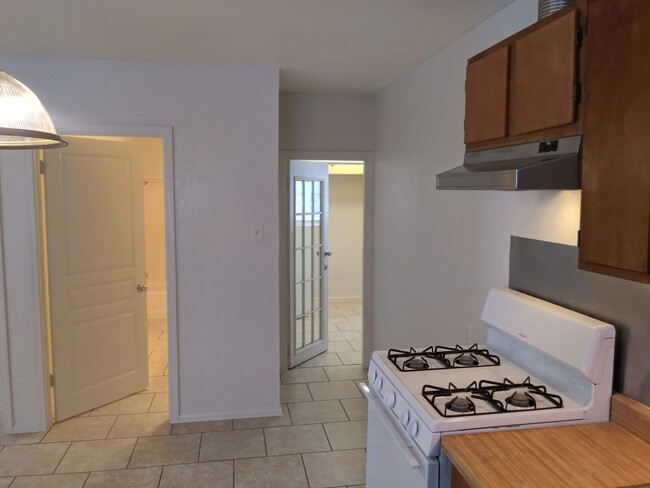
[335,46]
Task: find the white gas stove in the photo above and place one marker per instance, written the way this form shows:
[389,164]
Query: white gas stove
[542,365]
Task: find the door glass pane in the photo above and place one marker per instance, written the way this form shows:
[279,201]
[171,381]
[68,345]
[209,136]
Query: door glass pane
[308,332]
[316,230]
[317,325]
[299,230]
[299,334]
[299,304]
[299,203]
[308,264]
[309,197]
[317,297]
[298,265]
[308,239]
[308,296]
[318,185]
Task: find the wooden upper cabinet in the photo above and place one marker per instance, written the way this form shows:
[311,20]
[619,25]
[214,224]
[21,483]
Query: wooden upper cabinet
[615,203]
[543,79]
[527,88]
[486,97]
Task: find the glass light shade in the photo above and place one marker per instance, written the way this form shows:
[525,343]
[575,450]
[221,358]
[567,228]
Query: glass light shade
[24,122]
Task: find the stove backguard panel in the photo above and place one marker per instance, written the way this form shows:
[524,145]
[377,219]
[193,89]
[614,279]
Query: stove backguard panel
[550,271]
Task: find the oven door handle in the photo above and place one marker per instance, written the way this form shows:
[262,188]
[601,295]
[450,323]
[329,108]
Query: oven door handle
[403,445]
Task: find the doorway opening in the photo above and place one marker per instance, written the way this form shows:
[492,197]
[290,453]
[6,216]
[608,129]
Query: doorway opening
[328,279]
[104,260]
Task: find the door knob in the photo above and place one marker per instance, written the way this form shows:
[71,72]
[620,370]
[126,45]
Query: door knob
[142,287]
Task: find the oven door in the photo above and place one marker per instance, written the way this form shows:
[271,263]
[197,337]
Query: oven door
[394,461]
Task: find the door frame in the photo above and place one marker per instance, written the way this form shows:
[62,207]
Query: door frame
[40,332]
[367,265]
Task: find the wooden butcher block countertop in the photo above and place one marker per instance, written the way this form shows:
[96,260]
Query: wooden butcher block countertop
[612,454]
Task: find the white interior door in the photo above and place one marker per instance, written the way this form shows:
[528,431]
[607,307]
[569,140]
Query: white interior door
[308,260]
[95,253]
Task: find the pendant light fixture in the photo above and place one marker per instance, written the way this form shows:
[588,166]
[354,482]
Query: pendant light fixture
[24,122]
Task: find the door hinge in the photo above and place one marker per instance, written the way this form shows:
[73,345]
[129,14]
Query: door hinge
[579,34]
[52,379]
[577,93]
[41,166]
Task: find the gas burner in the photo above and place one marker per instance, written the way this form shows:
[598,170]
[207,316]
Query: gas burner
[460,405]
[416,363]
[466,359]
[442,357]
[489,397]
[521,399]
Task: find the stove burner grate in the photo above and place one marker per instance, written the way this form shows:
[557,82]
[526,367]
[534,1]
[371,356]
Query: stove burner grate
[464,400]
[442,358]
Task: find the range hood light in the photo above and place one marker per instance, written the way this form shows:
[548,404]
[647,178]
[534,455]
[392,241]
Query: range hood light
[24,122]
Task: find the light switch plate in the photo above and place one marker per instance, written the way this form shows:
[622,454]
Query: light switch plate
[257,232]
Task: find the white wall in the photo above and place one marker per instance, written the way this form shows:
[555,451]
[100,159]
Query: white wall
[320,122]
[225,149]
[345,235]
[437,253]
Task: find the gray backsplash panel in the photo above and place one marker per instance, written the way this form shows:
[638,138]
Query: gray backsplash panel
[550,271]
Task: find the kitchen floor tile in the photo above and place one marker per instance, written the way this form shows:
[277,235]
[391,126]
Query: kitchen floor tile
[81,429]
[140,425]
[198,427]
[356,345]
[216,446]
[97,456]
[347,435]
[158,384]
[216,474]
[317,412]
[324,359]
[334,390]
[304,375]
[337,468]
[126,478]
[258,423]
[339,346]
[18,439]
[295,440]
[350,357]
[160,403]
[174,449]
[31,459]
[76,480]
[348,335]
[5,482]
[353,372]
[294,393]
[350,325]
[270,472]
[157,368]
[139,403]
[356,408]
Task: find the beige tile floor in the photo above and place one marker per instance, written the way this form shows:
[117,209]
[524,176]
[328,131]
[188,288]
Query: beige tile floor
[318,442]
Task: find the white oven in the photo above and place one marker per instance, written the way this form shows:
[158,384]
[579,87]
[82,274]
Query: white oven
[542,365]
[396,460]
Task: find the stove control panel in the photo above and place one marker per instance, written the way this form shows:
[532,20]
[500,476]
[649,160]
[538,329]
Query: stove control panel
[406,419]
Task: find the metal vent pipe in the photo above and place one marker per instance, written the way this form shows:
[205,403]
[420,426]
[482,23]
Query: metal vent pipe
[547,7]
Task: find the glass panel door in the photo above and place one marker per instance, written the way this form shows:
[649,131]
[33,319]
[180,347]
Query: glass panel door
[308,241]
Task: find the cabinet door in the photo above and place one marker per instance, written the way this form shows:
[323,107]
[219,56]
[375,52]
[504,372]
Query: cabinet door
[615,214]
[486,97]
[544,77]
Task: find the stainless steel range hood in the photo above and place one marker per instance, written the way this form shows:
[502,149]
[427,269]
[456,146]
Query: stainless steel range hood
[547,165]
